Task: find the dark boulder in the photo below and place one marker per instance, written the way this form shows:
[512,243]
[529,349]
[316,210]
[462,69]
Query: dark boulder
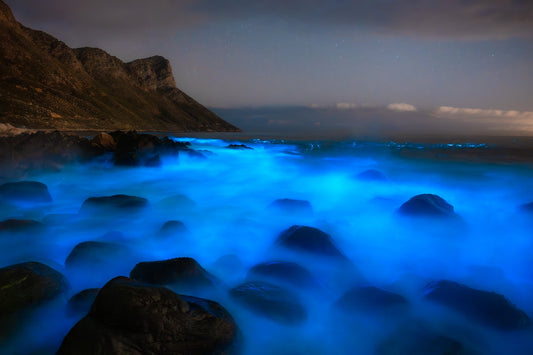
[488,308]
[171,228]
[184,273]
[104,141]
[26,285]
[96,253]
[113,204]
[372,175]
[417,339]
[527,207]
[282,271]
[370,299]
[270,301]
[128,317]
[25,191]
[239,147]
[310,240]
[21,226]
[427,205]
[81,302]
[287,205]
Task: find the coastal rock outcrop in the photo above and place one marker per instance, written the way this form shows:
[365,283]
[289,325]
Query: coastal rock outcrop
[128,317]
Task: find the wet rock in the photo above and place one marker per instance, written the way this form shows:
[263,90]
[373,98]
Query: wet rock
[171,228]
[282,271]
[310,240]
[370,299]
[25,191]
[416,339]
[81,302]
[270,301]
[239,147]
[184,273]
[287,205]
[105,142]
[21,226]
[96,253]
[372,175]
[427,205]
[26,285]
[488,308]
[176,203]
[128,317]
[113,204]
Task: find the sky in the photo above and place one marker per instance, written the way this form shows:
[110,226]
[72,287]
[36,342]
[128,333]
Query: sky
[460,61]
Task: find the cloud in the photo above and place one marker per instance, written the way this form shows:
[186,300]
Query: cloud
[399,106]
[471,19]
[346,106]
[483,113]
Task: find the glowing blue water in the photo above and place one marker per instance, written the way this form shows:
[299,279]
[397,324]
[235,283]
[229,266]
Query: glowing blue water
[232,189]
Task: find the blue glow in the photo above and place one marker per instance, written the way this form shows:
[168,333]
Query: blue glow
[232,190]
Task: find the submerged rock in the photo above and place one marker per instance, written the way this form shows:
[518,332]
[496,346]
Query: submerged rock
[372,175]
[25,191]
[239,147]
[416,339]
[288,205]
[128,317]
[96,253]
[181,272]
[171,228]
[270,301]
[81,302]
[282,271]
[113,204]
[427,205]
[310,240]
[21,226]
[176,203]
[370,299]
[488,308]
[26,285]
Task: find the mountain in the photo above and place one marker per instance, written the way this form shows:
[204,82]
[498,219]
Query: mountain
[44,84]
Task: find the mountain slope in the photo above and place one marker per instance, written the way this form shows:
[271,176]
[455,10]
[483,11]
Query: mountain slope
[46,84]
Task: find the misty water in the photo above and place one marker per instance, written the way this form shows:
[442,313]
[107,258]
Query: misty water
[231,215]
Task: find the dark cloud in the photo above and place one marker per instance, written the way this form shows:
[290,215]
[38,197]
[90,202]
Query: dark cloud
[463,19]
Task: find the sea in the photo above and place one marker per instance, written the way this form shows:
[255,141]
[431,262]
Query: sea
[355,189]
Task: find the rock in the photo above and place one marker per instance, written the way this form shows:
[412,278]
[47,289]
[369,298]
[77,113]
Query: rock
[171,228]
[176,203]
[184,273]
[26,285]
[488,308]
[369,299]
[270,301]
[372,175]
[527,207]
[21,226]
[104,141]
[96,253]
[287,205]
[25,191]
[128,317]
[228,264]
[282,271]
[113,204]
[418,340]
[82,301]
[239,147]
[427,205]
[310,240]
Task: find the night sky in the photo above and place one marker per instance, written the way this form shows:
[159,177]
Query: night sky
[467,64]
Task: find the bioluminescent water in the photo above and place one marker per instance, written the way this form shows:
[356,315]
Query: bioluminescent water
[231,227]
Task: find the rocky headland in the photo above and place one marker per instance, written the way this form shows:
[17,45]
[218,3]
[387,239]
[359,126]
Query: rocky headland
[48,85]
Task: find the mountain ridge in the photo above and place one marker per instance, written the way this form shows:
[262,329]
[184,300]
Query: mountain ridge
[45,84]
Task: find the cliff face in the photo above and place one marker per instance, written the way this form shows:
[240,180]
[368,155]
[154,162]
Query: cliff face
[46,84]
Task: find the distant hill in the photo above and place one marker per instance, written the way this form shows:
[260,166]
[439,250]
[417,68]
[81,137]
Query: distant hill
[44,84]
